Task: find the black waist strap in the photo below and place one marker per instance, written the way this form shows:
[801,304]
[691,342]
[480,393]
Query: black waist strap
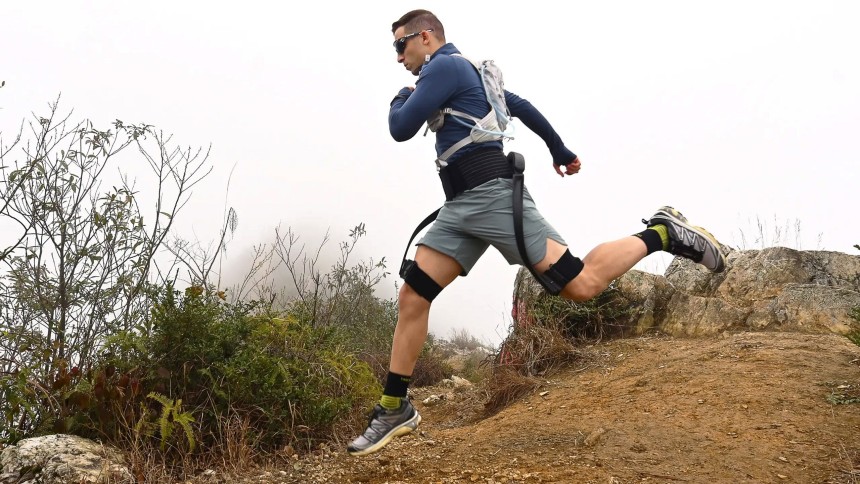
[473,170]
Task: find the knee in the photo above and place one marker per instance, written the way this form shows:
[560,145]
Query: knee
[410,302]
[582,288]
[569,274]
[420,283]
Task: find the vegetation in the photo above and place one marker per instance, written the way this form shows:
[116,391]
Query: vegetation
[762,233]
[97,339]
[293,383]
[463,340]
[469,357]
[544,336]
[78,260]
[854,336]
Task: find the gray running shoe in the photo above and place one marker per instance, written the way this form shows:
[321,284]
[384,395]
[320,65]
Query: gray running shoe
[694,243]
[383,426]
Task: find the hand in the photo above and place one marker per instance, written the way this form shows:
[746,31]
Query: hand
[571,168]
[403,95]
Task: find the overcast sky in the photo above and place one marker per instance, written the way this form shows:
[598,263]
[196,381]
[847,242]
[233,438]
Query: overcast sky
[734,112]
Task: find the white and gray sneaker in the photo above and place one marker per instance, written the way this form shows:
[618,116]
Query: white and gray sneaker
[383,426]
[685,240]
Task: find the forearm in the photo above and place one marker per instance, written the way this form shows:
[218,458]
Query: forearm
[538,124]
[401,125]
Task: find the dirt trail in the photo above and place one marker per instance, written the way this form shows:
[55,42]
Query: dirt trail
[749,407]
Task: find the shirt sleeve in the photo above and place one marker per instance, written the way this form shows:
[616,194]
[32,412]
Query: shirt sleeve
[535,121]
[410,109]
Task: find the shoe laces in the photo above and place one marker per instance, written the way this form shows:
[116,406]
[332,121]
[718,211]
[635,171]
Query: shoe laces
[377,410]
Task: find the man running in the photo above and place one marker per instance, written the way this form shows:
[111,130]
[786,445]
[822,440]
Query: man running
[477,178]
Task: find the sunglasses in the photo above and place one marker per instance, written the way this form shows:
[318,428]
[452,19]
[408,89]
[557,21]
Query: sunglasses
[400,44]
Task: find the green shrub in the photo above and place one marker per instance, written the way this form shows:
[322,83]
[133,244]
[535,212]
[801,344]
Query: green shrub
[431,367]
[544,336]
[854,336]
[294,383]
[465,354]
[81,260]
[602,315]
[476,367]
[462,339]
[546,324]
[19,406]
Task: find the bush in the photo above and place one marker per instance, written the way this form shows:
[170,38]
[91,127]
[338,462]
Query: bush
[81,261]
[602,316]
[854,336]
[466,355]
[431,367]
[463,340]
[543,322]
[544,335]
[291,383]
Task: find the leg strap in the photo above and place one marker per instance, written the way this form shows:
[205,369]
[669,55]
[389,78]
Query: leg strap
[565,269]
[420,282]
[559,274]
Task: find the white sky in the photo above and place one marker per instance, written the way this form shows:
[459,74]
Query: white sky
[734,112]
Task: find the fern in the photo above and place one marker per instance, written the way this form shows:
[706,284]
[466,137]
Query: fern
[172,414]
[185,420]
[143,426]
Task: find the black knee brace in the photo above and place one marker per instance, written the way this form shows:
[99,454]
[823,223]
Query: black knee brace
[564,270]
[420,282]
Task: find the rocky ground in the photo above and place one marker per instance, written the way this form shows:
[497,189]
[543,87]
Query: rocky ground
[747,407]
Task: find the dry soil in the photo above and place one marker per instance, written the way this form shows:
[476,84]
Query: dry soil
[747,407]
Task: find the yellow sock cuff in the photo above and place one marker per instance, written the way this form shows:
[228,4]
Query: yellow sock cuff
[664,234]
[389,402]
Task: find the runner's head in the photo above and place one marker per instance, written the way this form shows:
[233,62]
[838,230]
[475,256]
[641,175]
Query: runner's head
[417,34]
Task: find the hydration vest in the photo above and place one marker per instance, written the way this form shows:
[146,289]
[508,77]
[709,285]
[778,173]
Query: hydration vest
[496,125]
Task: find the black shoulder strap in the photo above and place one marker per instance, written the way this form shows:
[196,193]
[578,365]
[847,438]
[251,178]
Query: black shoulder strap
[519,164]
[424,223]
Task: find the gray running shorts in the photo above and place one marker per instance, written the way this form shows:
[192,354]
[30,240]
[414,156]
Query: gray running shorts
[483,216]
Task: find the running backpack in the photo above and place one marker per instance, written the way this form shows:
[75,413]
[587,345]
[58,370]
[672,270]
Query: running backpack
[496,125]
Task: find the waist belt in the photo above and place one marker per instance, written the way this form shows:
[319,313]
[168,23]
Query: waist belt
[473,170]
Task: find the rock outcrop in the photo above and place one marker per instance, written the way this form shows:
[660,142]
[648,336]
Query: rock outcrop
[61,459]
[770,289]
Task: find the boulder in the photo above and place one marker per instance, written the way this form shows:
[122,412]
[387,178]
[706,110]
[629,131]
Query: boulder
[770,289]
[61,459]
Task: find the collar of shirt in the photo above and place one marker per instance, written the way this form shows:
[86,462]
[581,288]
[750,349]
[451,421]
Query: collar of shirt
[446,49]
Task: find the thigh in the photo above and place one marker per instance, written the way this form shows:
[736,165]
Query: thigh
[440,267]
[448,237]
[495,225]
[554,251]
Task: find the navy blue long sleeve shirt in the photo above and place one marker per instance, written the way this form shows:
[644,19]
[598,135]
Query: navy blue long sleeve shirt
[451,81]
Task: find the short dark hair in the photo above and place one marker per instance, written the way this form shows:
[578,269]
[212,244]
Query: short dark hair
[418,20]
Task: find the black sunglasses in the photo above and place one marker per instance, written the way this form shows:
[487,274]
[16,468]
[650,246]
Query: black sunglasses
[400,44]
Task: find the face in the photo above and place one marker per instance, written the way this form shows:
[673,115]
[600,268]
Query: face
[413,49]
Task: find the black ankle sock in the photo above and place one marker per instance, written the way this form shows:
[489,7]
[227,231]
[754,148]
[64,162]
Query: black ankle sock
[652,240]
[396,385]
